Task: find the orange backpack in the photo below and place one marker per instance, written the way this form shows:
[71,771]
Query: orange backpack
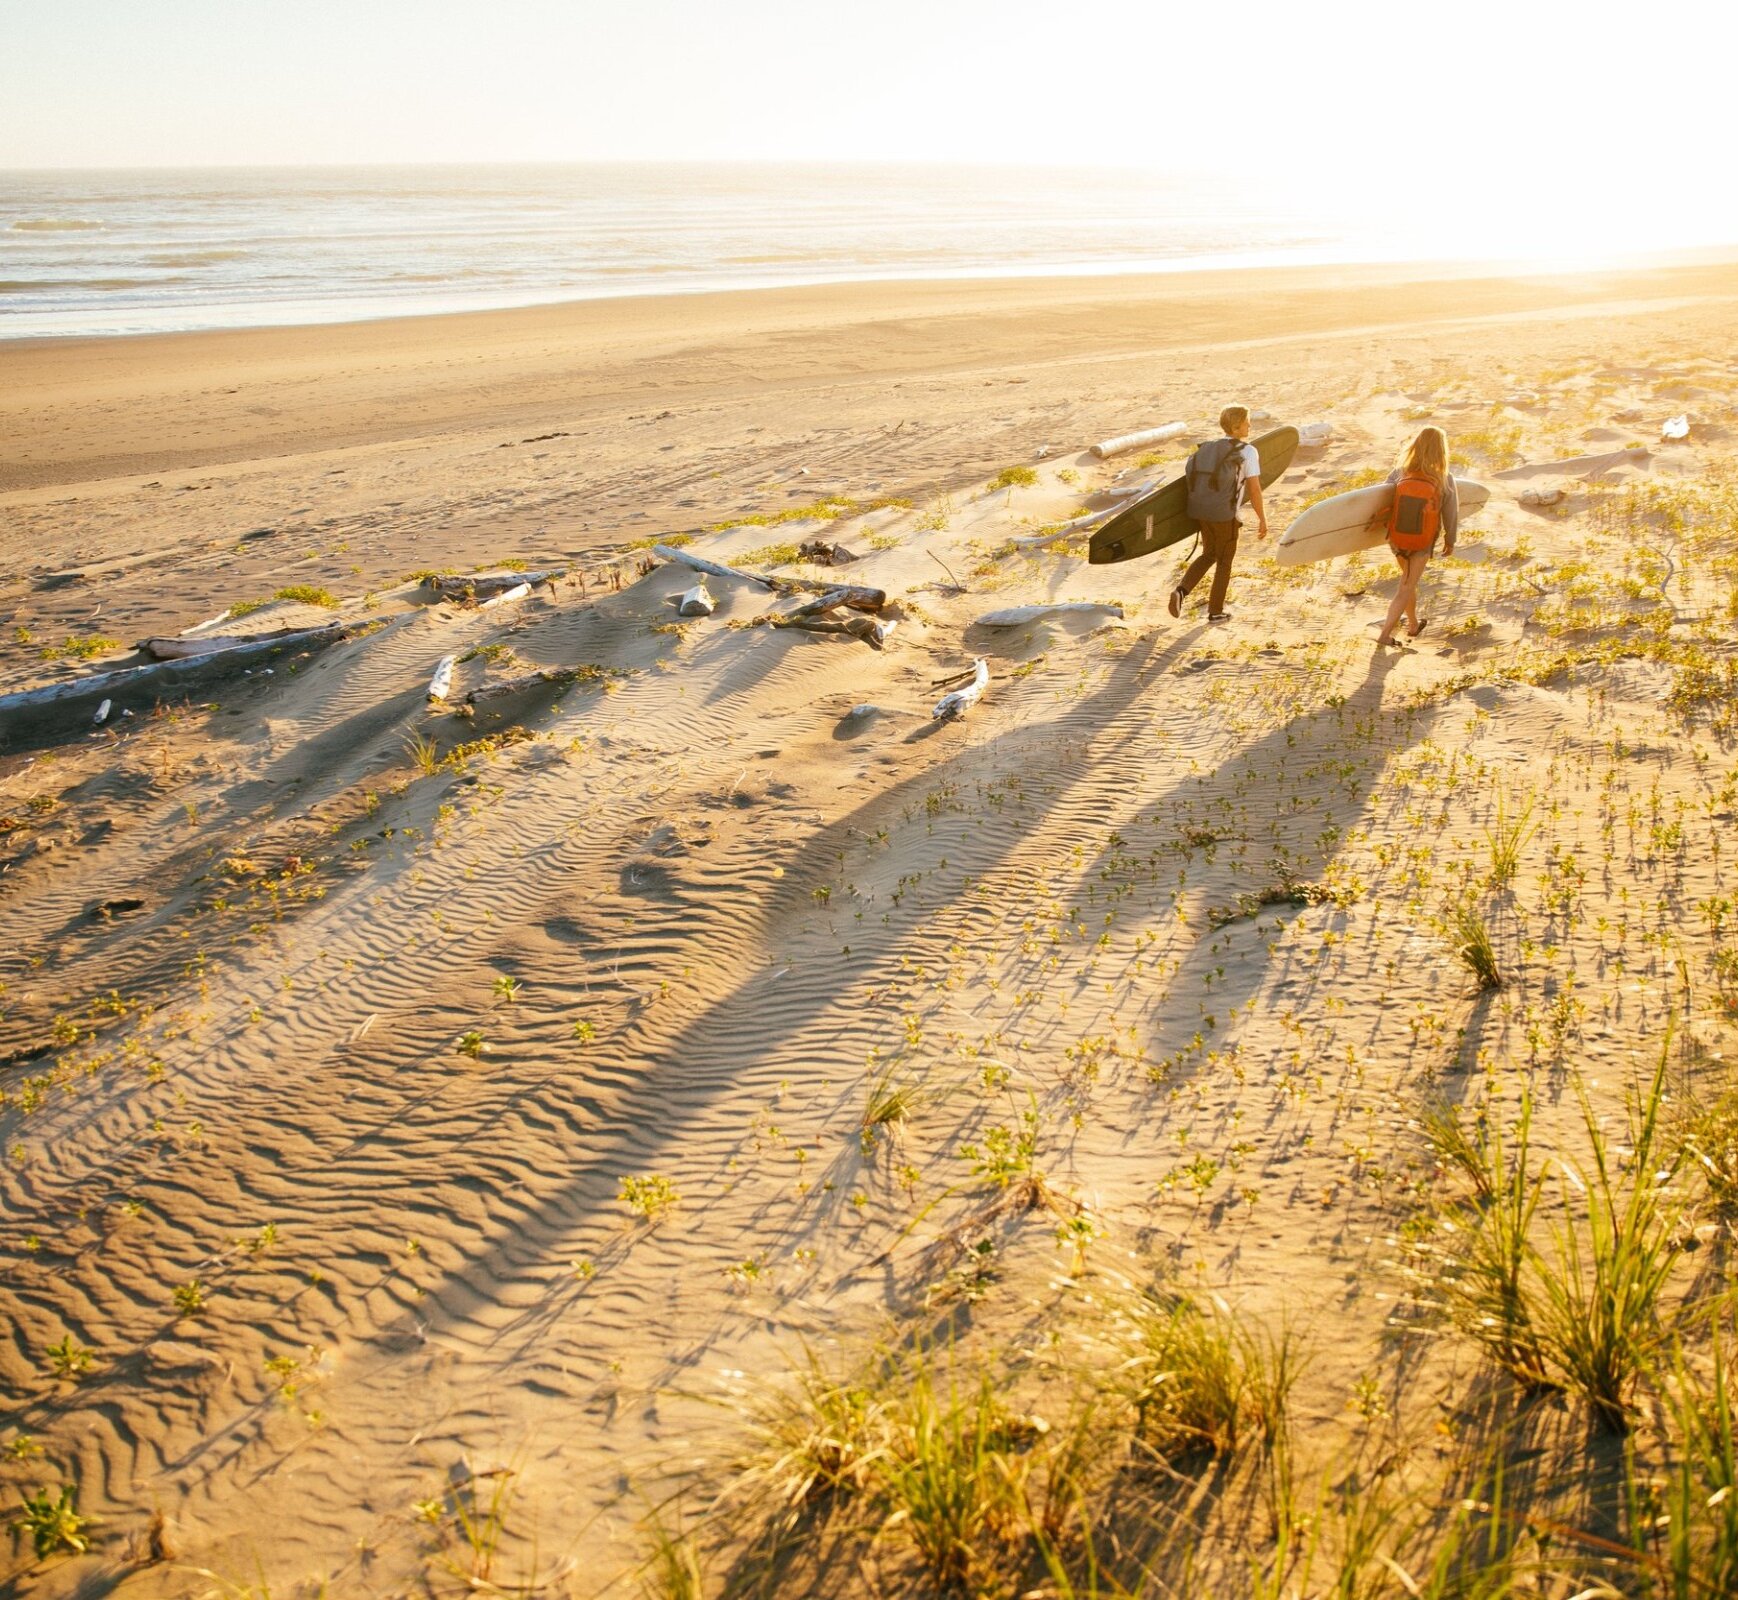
[1416,514]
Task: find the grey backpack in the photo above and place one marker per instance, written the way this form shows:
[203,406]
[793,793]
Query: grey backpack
[1215,479]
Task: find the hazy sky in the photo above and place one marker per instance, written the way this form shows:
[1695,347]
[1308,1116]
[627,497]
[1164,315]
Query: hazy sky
[1598,104]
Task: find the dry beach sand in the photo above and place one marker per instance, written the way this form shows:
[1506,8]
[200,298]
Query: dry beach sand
[324,1061]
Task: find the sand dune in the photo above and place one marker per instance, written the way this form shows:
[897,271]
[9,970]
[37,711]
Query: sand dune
[357,1055]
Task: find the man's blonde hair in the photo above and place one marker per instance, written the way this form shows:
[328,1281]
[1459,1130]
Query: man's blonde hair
[1233,417]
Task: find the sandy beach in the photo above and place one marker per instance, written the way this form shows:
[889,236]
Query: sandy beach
[417,1115]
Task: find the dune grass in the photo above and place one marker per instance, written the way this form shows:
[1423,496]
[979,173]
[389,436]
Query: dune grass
[1473,946]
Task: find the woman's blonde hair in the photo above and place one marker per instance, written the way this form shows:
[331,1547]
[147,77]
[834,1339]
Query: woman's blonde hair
[1427,454]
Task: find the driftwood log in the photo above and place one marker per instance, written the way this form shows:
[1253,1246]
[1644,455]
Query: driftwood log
[821,554]
[43,713]
[960,701]
[506,597]
[696,602]
[441,684]
[873,631]
[814,617]
[181,648]
[856,596]
[1135,441]
[556,676]
[484,585]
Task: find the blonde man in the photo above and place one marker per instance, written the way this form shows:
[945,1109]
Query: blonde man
[1224,475]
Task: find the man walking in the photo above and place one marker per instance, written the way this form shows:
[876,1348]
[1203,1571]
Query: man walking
[1223,475]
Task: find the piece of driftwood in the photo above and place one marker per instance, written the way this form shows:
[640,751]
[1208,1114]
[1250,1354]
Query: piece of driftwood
[181,648]
[1066,530]
[1675,427]
[1013,616]
[530,680]
[441,684]
[506,597]
[102,715]
[960,701]
[712,569]
[819,606]
[1134,441]
[1313,435]
[871,630]
[481,585]
[858,597]
[1543,497]
[696,602]
[821,554]
[124,682]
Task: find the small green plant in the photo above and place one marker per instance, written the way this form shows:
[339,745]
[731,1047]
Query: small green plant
[1078,1234]
[506,987]
[936,519]
[77,649]
[469,1539]
[1004,1153]
[69,1360]
[674,1570]
[471,1044]
[309,595]
[1602,1283]
[191,1298]
[1473,947]
[52,1522]
[768,555]
[1507,837]
[1581,1311]
[1013,478]
[1708,1137]
[651,1198]
[1487,1245]
[1186,1370]
[888,1107]
[952,1481]
[425,754]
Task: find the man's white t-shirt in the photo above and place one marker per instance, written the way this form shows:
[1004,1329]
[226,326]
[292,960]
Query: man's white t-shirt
[1251,470]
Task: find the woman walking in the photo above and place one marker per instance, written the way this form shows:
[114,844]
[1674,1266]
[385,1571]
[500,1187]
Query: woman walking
[1425,503]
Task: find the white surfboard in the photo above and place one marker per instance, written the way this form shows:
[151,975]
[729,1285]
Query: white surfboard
[1356,520]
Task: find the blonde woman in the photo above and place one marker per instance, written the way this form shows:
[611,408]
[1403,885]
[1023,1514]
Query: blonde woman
[1425,504]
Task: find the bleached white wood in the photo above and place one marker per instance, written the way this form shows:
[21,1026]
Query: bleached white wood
[960,701]
[506,597]
[696,602]
[1135,441]
[441,684]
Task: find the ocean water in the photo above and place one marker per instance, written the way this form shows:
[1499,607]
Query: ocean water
[148,250]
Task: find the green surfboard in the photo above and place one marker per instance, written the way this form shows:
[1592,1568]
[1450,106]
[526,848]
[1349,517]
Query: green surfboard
[1162,517]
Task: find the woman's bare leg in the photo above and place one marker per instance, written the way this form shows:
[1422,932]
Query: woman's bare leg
[1397,604]
[1415,566]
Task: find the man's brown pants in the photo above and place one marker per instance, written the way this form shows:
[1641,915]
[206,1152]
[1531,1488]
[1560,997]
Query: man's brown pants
[1218,547]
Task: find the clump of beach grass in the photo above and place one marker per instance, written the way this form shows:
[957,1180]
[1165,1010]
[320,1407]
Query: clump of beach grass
[1507,836]
[1564,1290]
[1473,946]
